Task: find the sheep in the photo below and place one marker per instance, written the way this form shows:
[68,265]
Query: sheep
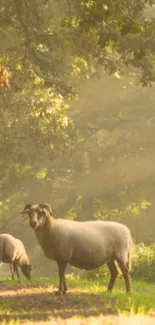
[85,245]
[12,251]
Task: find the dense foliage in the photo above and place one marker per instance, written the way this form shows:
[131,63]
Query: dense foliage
[143,265]
[92,158]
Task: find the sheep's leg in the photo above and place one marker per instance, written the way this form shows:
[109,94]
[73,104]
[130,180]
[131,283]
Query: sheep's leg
[12,271]
[17,272]
[62,282]
[65,285]
[126,274]
[113,272]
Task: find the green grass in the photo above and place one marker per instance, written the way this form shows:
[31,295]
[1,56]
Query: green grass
[86,298]
[141,299]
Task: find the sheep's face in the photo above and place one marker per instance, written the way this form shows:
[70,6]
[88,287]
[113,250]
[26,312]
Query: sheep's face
[27,269]
[37,214]
[37,217]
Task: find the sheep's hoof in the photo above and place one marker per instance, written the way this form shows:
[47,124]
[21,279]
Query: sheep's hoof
[58,293]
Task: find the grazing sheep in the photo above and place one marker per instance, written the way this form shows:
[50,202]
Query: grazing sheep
[12,251]
[86,245]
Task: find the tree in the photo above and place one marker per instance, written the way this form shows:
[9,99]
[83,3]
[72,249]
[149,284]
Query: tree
[49,47]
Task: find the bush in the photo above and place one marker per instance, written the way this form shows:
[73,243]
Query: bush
[143,265]
[143,262]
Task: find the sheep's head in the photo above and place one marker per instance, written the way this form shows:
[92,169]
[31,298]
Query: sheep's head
[26,270]
[37,214]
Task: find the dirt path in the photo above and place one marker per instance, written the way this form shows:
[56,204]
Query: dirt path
[39,304]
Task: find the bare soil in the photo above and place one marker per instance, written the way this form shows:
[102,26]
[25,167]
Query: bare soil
[38,304]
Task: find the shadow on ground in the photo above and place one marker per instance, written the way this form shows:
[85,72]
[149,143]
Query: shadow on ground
[38,303]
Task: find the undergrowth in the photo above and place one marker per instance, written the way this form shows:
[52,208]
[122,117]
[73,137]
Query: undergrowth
[143,265]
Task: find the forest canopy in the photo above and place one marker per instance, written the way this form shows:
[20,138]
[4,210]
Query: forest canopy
[89,158]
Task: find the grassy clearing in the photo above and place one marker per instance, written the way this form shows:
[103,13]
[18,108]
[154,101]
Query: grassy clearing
[86,302]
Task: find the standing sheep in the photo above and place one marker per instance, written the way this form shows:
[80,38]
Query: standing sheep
[86,245]
[12,251]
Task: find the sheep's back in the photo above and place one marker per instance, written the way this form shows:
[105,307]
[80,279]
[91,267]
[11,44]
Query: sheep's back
[11,248]
[90,244]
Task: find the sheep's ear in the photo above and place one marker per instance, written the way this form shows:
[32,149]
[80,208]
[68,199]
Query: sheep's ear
[26,209]
[45,207]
